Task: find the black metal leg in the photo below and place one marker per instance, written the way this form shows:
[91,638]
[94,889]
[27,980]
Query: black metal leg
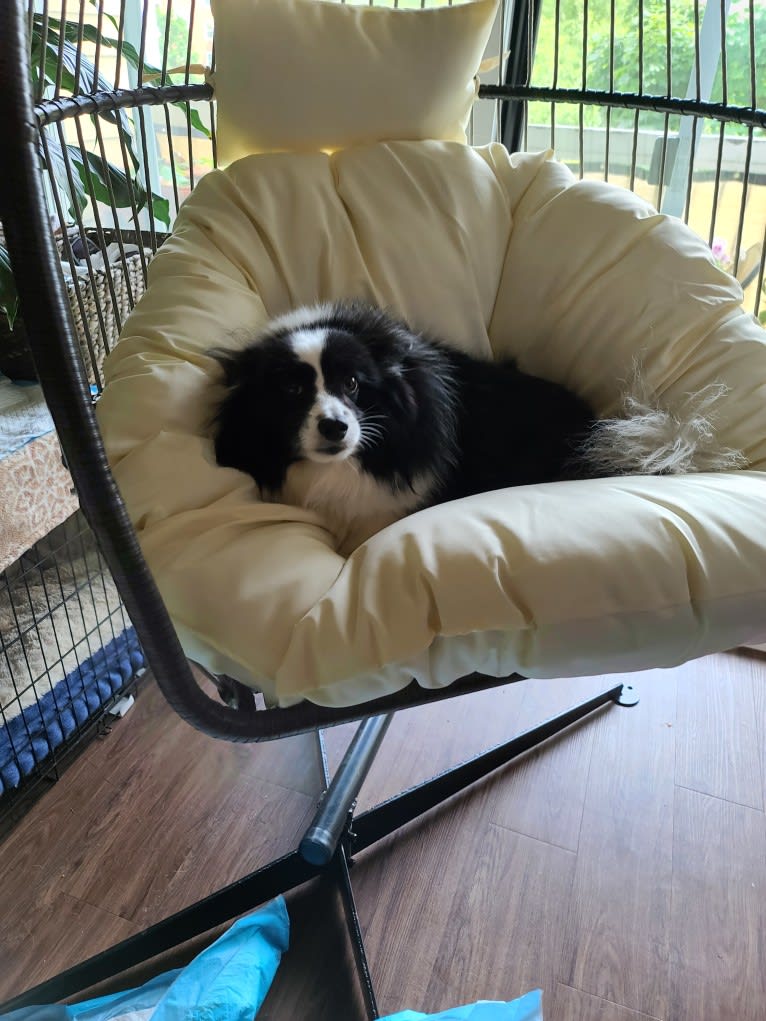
[340,865]
[329,840]
[340,862]
[331,819]
[378,822]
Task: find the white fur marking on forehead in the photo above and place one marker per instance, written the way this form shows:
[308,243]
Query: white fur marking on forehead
[300,318]
[308,346]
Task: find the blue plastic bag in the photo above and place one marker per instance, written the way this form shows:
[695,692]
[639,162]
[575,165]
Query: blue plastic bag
[228,981]
[526,1008]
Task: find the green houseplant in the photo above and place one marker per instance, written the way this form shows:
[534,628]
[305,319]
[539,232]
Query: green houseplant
[81,175]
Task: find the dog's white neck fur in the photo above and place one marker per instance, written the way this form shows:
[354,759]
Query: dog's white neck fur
[353,503]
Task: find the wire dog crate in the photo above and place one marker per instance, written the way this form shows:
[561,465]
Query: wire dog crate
[665,96]
[68,654]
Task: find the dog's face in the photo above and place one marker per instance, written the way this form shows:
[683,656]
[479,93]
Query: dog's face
[315,390]
[322,383]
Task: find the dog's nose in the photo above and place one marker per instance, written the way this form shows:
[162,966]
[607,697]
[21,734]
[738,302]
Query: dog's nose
[332,429]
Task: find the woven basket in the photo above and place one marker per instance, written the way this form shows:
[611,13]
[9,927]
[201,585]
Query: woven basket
[100,302]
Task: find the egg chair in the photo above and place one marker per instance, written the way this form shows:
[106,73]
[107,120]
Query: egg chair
[362,184]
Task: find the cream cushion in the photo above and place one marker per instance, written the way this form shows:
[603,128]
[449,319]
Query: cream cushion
[500,255]
[312,74]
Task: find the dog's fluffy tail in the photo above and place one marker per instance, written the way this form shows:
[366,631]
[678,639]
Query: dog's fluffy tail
[647,438]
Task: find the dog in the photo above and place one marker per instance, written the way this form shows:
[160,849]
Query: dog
[345,410]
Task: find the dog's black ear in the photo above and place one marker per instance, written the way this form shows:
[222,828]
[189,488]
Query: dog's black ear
[391,342]
[238,366]
[416,372]
[390,346]
[401,388]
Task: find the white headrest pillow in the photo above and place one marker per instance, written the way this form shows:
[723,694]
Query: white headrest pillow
[311,74]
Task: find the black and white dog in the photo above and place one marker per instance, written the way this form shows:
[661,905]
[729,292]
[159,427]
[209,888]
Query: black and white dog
[347,411]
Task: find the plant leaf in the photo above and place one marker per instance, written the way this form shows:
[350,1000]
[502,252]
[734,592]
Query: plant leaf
[99,178]
[50,63]
[77,77]
[193,118]
[74,193]
[93,175]
[161,209]
[82,72]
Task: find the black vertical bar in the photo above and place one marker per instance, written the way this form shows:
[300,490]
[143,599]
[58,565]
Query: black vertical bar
[690,176]
[341,868]
[584,85]
[321,839]
[556,54]
[188,106]
[212,108]
[751,39]
[743,203]
[717,183]
[759,283]
[637,115]
[40,91]
[525,21]
[340,865]
[60,54]
[120,41]
[166,42]
[608,133]
[99,37]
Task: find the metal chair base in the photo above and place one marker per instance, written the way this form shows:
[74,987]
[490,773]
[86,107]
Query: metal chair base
[335,834]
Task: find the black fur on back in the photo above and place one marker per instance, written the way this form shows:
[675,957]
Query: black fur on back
[513,429]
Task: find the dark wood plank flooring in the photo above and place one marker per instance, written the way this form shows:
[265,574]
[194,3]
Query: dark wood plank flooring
[621,868]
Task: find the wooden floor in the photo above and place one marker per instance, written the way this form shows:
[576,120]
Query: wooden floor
[621,868]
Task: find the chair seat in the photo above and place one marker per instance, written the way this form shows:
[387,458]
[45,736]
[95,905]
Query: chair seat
[500,255]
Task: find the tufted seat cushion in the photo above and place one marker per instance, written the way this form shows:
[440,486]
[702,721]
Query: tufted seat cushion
[499,255]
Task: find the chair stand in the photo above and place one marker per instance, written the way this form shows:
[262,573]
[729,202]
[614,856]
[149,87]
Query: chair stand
[328,845]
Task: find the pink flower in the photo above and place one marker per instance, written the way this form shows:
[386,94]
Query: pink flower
[720,252]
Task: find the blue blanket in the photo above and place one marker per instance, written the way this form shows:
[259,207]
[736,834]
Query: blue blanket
[228,981]
[526,1008]
[28,739]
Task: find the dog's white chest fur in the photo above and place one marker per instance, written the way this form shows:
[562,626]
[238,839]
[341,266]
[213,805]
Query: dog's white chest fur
[354,504]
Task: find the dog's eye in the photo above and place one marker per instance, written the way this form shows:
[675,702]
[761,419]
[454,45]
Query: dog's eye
[293,389]
[351,385]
